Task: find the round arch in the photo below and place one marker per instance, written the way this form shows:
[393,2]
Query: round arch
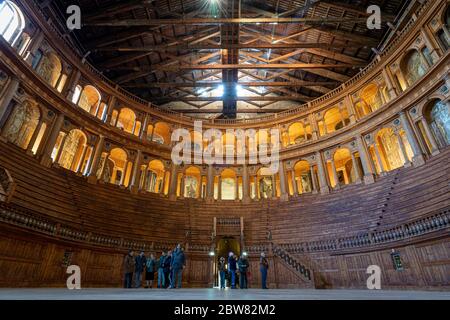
[89,99]
[118,159]
[302,177]
[228,184]
[161,133]
[412,66]
[12,21]
[345,171]
[126,120]
[154,178]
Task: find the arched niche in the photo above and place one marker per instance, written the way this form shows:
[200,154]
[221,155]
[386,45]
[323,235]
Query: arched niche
[437,115]
[228,184]
[126,120]
[89,99]
[72,152]
[21,124]
[154,179]
[303,179]
[192,182]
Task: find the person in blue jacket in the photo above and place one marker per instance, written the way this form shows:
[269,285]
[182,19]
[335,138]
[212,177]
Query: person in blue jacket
[177,266]
[167,263]
[161,276]
[232,266]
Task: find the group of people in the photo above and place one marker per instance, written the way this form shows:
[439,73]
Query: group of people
[169,268]
[170,265]
[240,267]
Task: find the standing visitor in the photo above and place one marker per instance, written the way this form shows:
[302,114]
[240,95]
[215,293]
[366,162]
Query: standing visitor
[167,263]
[150,271]
[232,268]
[177,266]
[263,266]
[222,270]
[161,276]
[139,268]
[128,265]
[243,267]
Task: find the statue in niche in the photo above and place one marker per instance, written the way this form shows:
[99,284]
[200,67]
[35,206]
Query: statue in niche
[50,68]
[70,149]
[305,180]
[440,117]
[391,149]
[265,187]
[21,124]
[190,187]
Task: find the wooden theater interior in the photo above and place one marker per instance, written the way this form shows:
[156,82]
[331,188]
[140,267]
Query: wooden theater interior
[87,118]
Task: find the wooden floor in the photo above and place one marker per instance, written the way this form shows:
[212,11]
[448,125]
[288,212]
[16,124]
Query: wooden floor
[216,294]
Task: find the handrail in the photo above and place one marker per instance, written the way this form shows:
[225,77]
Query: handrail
[434,222]
[321,100]
[299,266]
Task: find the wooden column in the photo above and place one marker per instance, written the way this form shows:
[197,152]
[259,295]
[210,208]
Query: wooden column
[364,156]
[50,143]
[321,171]
[10,91]
[418,158]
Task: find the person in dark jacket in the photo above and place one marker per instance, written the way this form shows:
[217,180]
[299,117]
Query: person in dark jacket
[128,265]
[177,266]
[167,263]
[150,268]
[161,276]
[232,267]
[263,267]
[139,268]
[243,268]
[222,271]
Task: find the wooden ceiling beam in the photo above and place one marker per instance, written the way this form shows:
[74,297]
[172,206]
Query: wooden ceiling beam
[208,84]
[216,21]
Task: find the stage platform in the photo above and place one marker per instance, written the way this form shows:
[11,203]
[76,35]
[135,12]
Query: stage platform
[216,294]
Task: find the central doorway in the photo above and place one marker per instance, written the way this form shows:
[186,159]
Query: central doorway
[224,246]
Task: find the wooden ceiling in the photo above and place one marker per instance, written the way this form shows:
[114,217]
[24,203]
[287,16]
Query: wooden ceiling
[188,55]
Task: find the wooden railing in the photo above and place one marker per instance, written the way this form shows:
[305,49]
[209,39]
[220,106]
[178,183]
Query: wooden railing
[437,221]
[299,266]
[7,185]
[427,225]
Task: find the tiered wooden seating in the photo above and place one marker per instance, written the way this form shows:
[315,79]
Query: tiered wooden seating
[60,194]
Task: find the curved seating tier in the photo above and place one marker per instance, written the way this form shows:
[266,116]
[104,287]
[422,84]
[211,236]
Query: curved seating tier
[59,194]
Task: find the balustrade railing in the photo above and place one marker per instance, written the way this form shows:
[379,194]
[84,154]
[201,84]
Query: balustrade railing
[299,266]
[418,227]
